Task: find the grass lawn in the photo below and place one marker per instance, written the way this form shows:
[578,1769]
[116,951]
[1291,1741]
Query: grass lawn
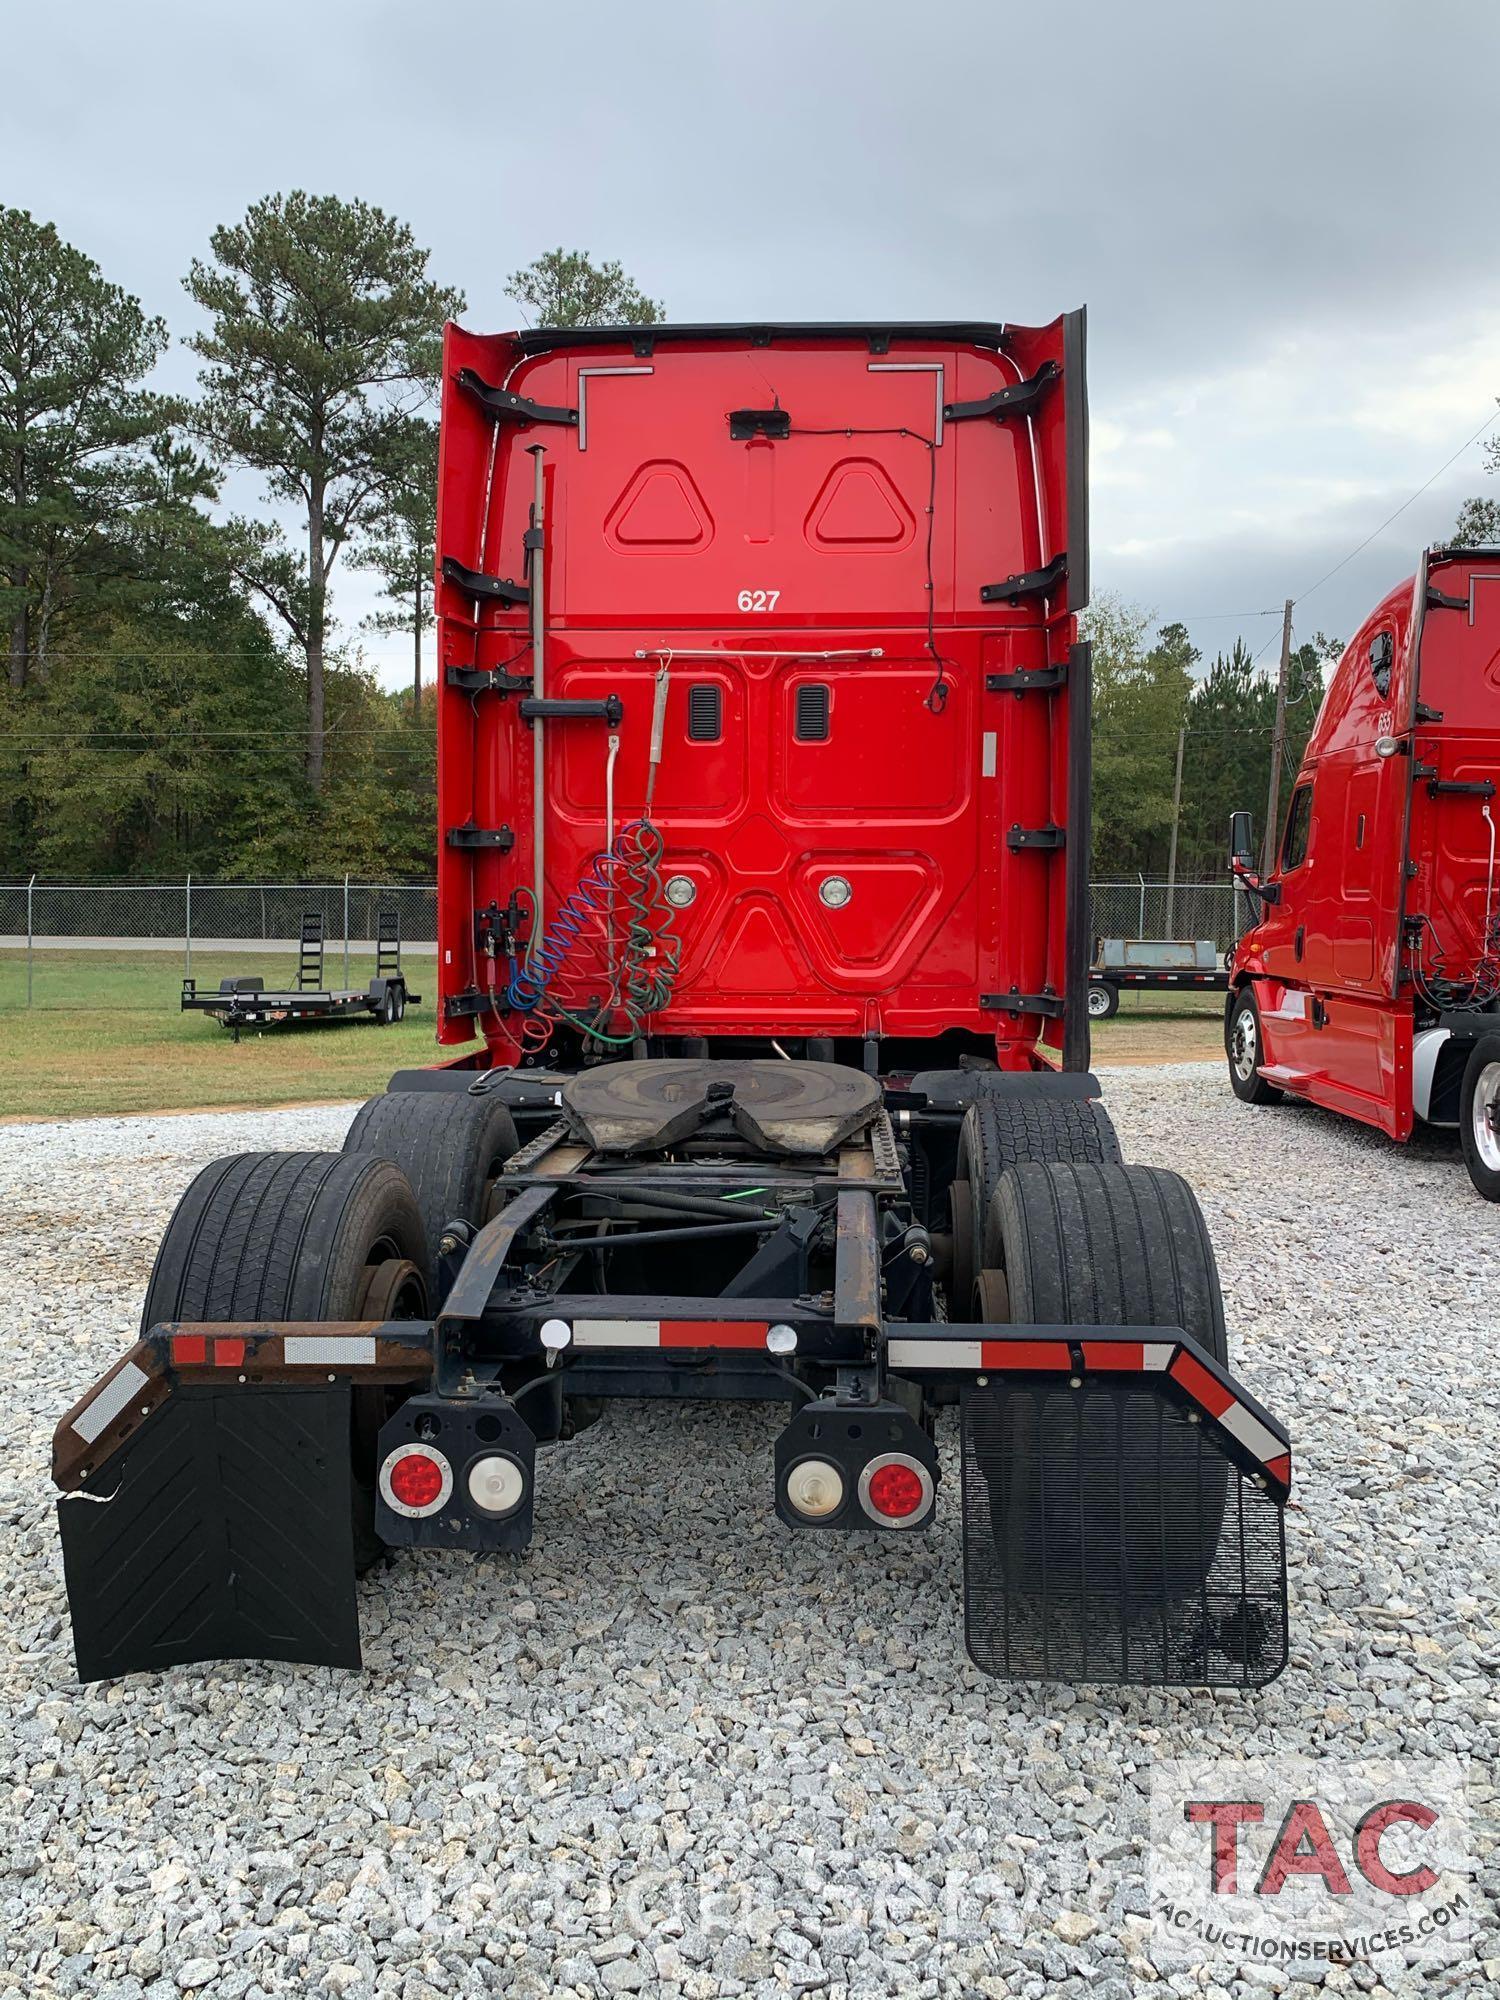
[105,1034]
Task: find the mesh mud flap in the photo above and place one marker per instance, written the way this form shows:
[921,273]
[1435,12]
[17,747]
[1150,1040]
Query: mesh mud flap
[223,1530]
[1109,1537]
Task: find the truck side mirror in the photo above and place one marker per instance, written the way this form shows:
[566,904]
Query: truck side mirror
[1242,838]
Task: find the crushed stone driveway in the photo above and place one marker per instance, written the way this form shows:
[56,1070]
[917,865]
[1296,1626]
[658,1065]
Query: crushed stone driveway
[678,1749]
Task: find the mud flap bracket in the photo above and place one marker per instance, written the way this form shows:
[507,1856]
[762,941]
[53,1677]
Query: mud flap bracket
[221,1530]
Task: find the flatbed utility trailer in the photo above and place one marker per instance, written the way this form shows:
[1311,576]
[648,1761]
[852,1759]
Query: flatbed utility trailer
[1151,965]
[247,1002]
[763,802]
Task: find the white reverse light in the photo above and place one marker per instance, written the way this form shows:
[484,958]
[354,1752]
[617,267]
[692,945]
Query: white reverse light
[834,891]
[815,1488]
[680,891]
[497,1484]
[781,1339]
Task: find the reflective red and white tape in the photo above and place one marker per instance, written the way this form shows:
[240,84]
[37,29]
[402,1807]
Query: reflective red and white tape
[667,1333]
[1136,1357]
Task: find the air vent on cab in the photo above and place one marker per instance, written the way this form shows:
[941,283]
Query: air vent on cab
[705,713]
[812,713]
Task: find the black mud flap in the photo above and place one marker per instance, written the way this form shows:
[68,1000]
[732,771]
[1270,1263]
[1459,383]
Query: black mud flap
[1108,1536]
[222,1530]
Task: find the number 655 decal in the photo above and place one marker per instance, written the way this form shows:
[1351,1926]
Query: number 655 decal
[757,600]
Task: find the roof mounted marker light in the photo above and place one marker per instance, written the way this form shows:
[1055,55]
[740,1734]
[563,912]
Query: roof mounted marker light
[896,1491]
[815,1488]
[416,1481]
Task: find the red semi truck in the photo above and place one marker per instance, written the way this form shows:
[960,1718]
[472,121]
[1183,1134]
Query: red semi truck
[763,972]
[1371,983]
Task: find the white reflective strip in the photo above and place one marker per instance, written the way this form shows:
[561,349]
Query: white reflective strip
[329,1350]
[1254,1436]
[933,1353]
[1154,1355]
[617,1333]
[987,754]
[109,1402]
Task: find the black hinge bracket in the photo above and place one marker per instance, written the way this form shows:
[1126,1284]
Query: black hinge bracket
[1444,600]
[458,1006]
[486,680]
[1020,399]
[1424,770]
[471,836]
[1427,714]
[507,408]
[484,589]
[775,423]
[1477,788]
[1023,1003]
[1048,836]
[1028,680]
[1029,583]
[547,708]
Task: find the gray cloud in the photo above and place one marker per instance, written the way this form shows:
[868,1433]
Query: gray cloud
[1279,216]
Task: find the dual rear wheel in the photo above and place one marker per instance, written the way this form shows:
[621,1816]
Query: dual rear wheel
[336,1236]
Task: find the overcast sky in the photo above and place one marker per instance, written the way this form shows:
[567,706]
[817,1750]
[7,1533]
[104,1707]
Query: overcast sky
[1281,220]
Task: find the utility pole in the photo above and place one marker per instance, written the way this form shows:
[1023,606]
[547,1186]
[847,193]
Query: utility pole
[1176,816]
[1278,739]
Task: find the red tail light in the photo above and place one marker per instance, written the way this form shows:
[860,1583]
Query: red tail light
[416,1481]
[896,1490]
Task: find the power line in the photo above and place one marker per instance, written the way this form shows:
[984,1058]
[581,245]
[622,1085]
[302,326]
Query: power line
[1471,439]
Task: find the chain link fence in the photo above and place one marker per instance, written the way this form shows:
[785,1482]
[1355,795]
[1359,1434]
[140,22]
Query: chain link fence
[128,944]
[1142,909]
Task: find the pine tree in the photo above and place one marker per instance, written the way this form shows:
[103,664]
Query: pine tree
[323,345]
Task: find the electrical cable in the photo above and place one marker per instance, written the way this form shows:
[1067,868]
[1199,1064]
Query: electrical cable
[936,698]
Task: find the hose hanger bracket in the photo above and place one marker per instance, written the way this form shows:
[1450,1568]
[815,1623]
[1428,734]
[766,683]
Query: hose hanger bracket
[1027,583]
[482,588]
[1020,399]
[505,407]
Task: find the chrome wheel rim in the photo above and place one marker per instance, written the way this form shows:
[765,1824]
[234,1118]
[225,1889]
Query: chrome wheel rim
[1098,1002]
[1485,1113]
[1243,1047]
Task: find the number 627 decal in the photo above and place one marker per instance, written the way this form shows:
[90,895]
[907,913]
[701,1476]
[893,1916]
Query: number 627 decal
[757,600]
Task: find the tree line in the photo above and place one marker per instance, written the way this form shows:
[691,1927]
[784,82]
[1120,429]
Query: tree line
[178,694]
[1148,687]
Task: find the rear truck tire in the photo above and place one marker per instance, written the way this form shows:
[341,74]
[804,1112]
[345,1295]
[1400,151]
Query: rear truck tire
[1104,1000]
[1001,1132]
[1243,1048]
[1479,1116]
[1109,1535]
[299,1236]
[450,1146]
[1109,1246]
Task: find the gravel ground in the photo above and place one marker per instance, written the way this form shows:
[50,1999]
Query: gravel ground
[679,1749]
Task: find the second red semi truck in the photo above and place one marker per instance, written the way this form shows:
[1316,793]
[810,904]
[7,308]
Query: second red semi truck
[1371,983]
